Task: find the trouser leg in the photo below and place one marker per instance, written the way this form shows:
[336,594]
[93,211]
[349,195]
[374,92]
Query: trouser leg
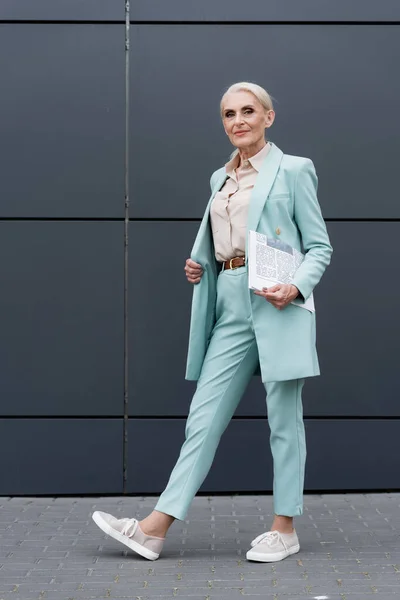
[288,445]
[228,367]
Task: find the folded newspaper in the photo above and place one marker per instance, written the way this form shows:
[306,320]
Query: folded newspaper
[272,261]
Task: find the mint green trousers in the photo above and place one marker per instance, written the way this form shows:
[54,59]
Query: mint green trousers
[227,369]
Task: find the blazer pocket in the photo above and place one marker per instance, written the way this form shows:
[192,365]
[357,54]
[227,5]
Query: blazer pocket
[278,196]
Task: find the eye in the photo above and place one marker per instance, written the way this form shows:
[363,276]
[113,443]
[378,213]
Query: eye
[246,111]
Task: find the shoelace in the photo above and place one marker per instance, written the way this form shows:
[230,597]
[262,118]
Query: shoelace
[130,526]
[272,538]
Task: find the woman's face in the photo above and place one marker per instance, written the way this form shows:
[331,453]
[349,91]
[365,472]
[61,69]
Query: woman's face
[245,119]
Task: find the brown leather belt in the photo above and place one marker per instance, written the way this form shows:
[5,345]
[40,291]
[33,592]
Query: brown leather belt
[234,263]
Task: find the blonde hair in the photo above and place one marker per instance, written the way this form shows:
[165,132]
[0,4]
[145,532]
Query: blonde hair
[260,93]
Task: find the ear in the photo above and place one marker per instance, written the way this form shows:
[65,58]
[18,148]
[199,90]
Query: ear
[270,119]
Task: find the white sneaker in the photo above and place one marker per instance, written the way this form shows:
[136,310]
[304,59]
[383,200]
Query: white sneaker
[128,532]
[272,546]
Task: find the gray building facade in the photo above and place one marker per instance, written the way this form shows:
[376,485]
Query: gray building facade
[86,409]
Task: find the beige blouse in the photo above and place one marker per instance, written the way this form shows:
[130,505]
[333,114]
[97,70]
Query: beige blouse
[228,212]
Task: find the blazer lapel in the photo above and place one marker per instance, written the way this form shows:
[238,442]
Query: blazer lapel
[199,253]
[259,195]
[262,187]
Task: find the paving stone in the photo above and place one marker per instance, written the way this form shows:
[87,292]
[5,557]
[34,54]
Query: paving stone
[350,550]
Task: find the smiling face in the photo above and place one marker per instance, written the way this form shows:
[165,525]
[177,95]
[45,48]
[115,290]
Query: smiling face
[245,119]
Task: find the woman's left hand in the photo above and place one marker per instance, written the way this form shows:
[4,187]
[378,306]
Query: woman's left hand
[279,295]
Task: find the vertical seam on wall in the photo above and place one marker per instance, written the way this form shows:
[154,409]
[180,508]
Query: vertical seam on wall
[126,239]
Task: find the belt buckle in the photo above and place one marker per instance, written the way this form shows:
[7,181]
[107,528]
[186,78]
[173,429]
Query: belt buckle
[230,263]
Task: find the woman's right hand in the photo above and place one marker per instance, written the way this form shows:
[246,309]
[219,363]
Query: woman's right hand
[193,271]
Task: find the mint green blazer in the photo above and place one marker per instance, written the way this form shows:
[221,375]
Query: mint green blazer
[284,205]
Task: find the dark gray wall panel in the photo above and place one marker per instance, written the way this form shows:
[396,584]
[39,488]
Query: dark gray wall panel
[62,108]
[61,343]
[358,332]
[353,454]
[62,10]
[324,79]
[181,10]
[243,461]
[357,326]
[357,338]
[159,310]
[266,10]
[60,456]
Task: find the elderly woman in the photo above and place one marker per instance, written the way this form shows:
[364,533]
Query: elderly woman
[236,331]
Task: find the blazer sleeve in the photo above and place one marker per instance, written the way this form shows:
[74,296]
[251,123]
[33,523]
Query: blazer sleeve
[309,220]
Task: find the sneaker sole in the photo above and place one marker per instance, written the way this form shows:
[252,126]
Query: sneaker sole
[257,556]
[104,526]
